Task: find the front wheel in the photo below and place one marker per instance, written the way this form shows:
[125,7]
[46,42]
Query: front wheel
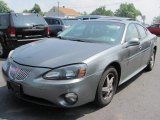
[3,51]
[107,87]
[151,62]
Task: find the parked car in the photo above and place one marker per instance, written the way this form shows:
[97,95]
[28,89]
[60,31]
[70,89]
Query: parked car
[20,28]
[154,29]
[86,63]
[59,24]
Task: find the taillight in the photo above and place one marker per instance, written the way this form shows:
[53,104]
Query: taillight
[12,32]
[48,31]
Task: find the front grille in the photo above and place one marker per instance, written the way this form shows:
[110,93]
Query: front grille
[17,72]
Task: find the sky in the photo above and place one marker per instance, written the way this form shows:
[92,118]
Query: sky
[149,8]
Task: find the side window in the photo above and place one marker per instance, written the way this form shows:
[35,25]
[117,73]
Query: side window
[4,20]
[52,21]
[131,32]
[85,18]
[56,22]
[142,31]
[155,25]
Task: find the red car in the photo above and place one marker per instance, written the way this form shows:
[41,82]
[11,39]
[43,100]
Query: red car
[154,29]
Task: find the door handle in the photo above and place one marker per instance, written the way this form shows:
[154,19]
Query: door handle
[140,47]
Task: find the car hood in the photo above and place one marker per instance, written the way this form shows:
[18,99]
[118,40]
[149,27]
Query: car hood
[53,53]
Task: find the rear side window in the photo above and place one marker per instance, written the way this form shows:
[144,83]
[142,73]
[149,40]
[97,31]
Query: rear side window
[142,31]
[52,21]
[28,20]
[131,32]
[4,20]
[155,25]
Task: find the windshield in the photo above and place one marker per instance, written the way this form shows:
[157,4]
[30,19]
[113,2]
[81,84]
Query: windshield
[70,22]
[28,20]
[95,31]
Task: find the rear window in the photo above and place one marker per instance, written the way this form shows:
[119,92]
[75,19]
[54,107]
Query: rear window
[70,22]
[28,20]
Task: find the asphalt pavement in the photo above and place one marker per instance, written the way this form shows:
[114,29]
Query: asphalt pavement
[138,99]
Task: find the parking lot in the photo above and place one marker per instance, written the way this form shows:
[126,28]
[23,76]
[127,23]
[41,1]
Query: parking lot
[138,99]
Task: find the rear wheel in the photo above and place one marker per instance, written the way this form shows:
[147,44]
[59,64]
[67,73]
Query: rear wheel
[107,87]
[151,62]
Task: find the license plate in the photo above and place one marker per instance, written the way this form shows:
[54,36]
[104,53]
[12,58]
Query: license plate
[15,87]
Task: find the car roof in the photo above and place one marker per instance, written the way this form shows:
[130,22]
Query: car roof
[117,19]
[62,18]
[4,13]
[91,16]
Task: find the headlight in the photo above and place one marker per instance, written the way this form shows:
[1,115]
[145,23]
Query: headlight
[10,53]
[67,72]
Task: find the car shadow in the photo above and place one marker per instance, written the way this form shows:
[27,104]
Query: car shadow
[12,108]
[127,83]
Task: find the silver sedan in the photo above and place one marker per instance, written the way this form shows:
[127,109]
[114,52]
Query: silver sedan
[85,63]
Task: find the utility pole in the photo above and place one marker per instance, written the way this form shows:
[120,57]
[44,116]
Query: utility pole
[58,8]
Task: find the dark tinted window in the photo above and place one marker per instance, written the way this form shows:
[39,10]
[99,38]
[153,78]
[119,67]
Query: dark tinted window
[52,21]
[131,32]
[4,20]
[85,18]
[93,18]
[142,31]
[28,19]
[155,25]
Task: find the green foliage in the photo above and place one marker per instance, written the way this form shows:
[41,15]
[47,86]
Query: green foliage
[36,9]
[102,11]
[127,10]
[4,7]
[84,13]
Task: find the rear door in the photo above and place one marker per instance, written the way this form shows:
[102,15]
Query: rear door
[145,44]
[28,26]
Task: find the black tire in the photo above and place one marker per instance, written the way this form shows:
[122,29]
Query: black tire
[103,97]
[3,50]
[151,62]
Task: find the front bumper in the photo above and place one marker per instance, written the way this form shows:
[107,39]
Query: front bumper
[51,92]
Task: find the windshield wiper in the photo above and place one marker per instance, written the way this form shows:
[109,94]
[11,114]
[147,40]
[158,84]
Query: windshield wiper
[38,25]
[72,39]
[78,40]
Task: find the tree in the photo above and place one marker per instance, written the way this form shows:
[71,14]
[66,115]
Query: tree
[102,11]
[127,10]
[84,13]
[36,9]
[4,7]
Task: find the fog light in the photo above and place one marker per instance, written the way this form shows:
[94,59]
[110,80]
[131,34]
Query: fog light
[71,98]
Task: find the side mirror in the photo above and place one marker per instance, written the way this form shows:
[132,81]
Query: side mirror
[133,42]
[59,33]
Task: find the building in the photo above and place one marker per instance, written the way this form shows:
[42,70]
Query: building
[62,12]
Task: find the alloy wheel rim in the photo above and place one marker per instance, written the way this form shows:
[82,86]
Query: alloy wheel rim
[108,86]
[1,49]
